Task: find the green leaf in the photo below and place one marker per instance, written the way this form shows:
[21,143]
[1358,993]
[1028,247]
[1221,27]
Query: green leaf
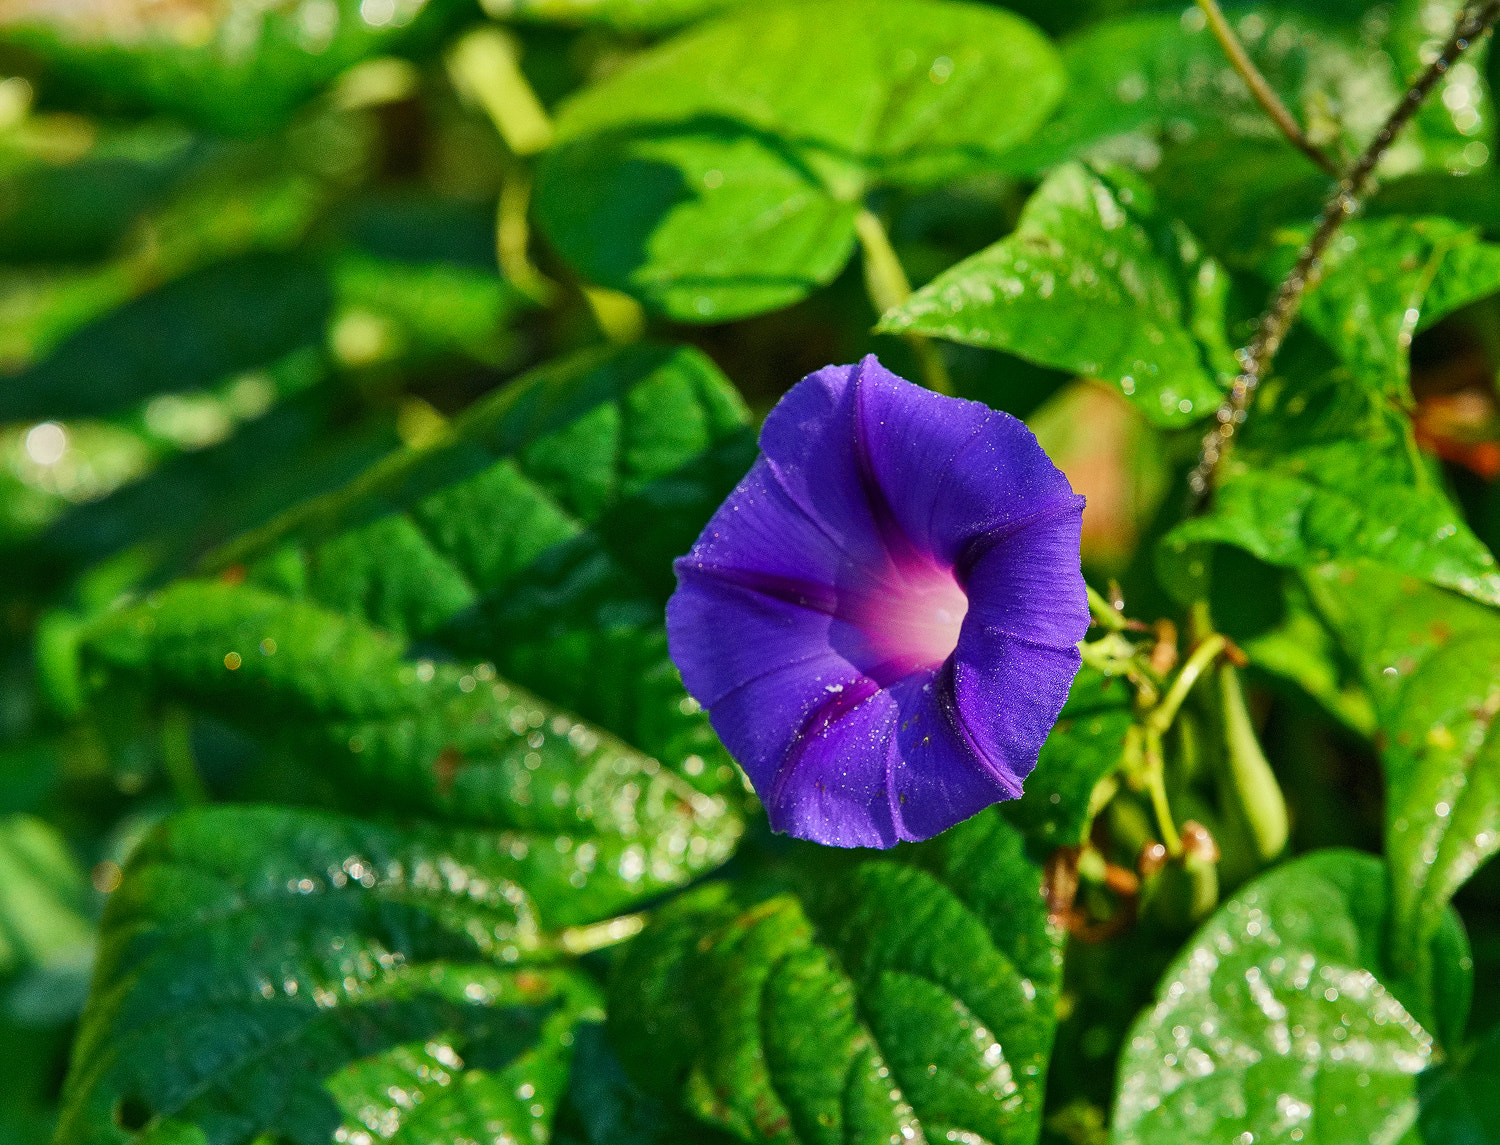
[1431,662]
[191,333]
[910,996]
[605,1107]
[588,825]
[1083,749]
[1383,280]
[1343,501]
[297,449]
[538,534]
[1459,112]
[42,893]
[1234,193]
[1139,83]
[705,225]
[314,977]
[1092,280]
[1281,1018]
[619,15]
[1300,648]
[1458,1097]
[733,159]
[79,211]
[417,312]
[239,67]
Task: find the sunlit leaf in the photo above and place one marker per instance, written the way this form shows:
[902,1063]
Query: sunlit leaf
[719,174]
[42,890]
[1279,1018]
[623,15]
[1381,282]
[239,66]
[1431,661]
[1344,501]
[1092,280]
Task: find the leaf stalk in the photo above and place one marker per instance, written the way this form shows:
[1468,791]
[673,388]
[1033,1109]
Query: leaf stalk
[888,287]
[1261,90]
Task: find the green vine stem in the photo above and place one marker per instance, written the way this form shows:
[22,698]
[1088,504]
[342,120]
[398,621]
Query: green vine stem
[1160,717]
[1105,614]
[485,68]
[1260,90]
[1255,359]
[888,286]
[1155,775]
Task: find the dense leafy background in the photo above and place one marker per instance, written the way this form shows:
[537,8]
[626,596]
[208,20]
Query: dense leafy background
[363,366]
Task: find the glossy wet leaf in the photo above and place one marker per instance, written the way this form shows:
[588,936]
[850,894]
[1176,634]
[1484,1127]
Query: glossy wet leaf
[1383,281]
[538,533]
[1280,1018]
[1093,281]
[1083,749]
[733,159]
[908,996]
[1431,662]
[1344,501]
[191,333]
[318,978]
[238,67]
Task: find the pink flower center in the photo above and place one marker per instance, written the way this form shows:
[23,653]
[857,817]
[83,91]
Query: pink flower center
[914,623]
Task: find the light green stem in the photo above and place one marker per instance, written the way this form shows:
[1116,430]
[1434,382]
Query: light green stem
[1164,713]
[1156,787]
[1107,615]
[888,287]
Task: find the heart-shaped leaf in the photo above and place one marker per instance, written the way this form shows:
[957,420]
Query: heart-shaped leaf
[734,158]
[1093,281]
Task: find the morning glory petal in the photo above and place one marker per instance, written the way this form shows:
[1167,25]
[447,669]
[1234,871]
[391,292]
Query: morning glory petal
[882,618]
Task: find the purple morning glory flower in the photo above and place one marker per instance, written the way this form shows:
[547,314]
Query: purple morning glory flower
[882,618]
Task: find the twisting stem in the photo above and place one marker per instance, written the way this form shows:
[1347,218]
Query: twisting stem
[1473,22]
[1263,93]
